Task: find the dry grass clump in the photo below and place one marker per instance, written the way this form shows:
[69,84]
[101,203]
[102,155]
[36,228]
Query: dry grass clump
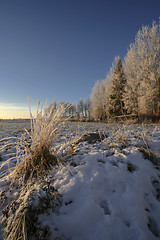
[21,215]
[120,137]
[35,156]
[34,150]
[150,155]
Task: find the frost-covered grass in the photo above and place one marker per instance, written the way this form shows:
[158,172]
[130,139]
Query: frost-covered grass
[34,153]
[108,189]
[37,156]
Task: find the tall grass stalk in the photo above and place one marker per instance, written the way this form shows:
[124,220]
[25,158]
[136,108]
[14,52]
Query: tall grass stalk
[34,149]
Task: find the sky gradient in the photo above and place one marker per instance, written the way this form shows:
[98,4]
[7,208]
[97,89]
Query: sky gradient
[58,49]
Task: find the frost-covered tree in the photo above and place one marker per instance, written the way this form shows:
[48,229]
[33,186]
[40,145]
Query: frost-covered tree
[130,95]
[52,106]
[87,108]
[99,100]
[80,108]
[72,110]
[117,81]
[142,69]
[69,109]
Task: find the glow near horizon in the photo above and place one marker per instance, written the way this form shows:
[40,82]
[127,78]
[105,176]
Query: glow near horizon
[9,111]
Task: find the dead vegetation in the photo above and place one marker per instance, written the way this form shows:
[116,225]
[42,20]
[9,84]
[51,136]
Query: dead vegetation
[91,138]
[35,157]
[150,155]
[21,215]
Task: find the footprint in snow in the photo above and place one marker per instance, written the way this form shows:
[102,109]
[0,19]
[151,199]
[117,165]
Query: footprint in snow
[105,207]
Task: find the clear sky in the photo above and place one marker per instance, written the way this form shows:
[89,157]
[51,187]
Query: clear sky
[58,49]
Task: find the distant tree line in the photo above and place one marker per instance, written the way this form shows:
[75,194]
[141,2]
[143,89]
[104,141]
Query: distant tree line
[131,88]
[80,111]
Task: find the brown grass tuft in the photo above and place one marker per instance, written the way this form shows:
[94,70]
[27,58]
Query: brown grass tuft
[35,155]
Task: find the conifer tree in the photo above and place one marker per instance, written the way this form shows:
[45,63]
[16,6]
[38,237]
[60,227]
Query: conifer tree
[117,81]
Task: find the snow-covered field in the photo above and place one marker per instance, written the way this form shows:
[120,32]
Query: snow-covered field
[107,189]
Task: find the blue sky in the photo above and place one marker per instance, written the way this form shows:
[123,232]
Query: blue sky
[58,49]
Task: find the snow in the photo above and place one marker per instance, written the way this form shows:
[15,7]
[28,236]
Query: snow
[111,191]
[107,202]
